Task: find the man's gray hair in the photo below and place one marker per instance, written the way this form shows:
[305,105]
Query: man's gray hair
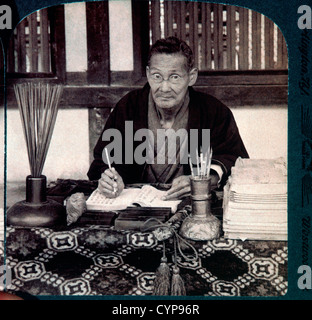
[172,45]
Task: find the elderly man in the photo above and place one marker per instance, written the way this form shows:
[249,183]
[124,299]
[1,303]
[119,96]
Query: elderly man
[168,101]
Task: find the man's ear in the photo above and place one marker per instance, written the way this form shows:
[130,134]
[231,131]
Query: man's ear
[147,70]
[193,74]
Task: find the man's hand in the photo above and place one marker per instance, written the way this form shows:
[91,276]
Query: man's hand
[181,187]
[111,183]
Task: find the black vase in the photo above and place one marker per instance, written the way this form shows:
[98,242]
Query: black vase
[36,210]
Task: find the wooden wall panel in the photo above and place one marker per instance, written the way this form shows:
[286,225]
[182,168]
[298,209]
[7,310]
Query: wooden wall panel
[98,42]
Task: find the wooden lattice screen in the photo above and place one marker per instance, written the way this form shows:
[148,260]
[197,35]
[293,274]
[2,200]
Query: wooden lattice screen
[221,37]
[29,50]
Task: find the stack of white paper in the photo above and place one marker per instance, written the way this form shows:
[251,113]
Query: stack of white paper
[255,200]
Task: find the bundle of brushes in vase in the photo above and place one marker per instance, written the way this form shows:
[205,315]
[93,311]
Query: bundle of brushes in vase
[38,106]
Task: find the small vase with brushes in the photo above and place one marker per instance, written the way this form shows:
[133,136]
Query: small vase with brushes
[201,224]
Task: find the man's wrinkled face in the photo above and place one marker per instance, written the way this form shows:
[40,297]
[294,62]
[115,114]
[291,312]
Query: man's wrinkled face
[169,79]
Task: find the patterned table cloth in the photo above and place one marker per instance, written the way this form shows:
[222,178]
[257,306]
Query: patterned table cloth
[102,261]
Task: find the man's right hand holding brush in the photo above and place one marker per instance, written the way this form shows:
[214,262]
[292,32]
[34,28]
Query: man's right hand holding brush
[111,183]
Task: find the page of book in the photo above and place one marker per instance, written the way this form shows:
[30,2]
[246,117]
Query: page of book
[151,197]
[147,196]
[99,202]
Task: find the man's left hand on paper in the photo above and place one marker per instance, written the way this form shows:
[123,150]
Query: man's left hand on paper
[181,187]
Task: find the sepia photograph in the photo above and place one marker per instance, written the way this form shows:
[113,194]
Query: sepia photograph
[146,149]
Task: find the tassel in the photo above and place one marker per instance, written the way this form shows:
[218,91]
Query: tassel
[162,280]
[177,284]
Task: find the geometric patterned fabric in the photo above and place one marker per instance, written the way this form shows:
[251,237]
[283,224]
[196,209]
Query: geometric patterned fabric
[102,261]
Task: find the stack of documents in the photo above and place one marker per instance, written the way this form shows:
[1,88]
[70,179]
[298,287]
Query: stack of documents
[255,200]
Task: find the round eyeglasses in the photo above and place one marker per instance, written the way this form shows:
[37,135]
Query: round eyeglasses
[174,78]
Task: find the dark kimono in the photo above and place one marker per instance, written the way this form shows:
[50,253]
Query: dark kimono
[204,112]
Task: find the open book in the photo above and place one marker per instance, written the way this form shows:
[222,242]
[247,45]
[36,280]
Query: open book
[147,196]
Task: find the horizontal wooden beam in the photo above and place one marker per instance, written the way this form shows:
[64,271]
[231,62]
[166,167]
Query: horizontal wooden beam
[249,96]
[219,78]
[235,89]
[236,79]
[107,97]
